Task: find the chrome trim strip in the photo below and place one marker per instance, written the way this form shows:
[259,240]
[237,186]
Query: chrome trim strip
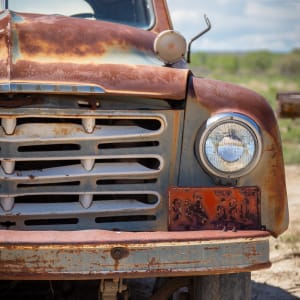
[24,87]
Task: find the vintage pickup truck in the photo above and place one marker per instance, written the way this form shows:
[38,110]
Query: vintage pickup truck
[118,163]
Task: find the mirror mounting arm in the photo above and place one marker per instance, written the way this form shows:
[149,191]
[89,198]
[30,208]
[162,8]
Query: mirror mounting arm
[197,37]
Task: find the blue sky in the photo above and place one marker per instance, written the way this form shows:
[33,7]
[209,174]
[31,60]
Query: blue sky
[239,25]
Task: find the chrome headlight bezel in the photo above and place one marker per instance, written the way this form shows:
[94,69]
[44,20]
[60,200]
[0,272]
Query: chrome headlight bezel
[238,120]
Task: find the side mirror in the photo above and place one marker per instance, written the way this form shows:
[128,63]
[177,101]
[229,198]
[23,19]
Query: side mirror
[188,59]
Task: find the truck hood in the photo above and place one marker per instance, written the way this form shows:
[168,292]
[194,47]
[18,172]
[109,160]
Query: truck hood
[53,53]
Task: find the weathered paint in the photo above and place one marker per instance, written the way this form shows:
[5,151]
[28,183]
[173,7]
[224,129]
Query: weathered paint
[214,208]
[215,97]
[106,254]
[163,21]
[39,49]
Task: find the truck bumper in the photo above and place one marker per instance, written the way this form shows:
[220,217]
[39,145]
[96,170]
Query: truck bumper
[95,254]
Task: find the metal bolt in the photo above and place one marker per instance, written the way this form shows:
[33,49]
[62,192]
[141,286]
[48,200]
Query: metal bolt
[119,253]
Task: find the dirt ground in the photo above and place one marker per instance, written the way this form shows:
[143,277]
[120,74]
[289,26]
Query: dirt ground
[282,280]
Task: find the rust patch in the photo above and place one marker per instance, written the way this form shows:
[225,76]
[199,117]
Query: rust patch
[214,208]
[163,21]
[4,45]
[218,96]
[156,82]
[58,49]
[64,37]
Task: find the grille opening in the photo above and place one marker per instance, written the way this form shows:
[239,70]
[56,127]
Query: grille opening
[28,185]
[90,103]
[149,124]
[45,120]
[128,145]
[39,199]
[117,219]
[45,222]
[7,224]
[43,164]
[150,163]
[144,198]
[49,148]
[125,181]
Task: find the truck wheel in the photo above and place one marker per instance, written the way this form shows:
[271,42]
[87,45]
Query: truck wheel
[222,287]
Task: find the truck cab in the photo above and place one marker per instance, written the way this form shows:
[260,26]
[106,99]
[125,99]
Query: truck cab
[117,162]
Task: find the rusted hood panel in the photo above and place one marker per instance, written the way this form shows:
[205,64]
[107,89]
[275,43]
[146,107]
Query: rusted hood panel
[59,49]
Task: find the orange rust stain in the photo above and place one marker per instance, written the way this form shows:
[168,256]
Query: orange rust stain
[218,96]
[60,130]
[115,79]
[163,21]
[64,37]
[214,208]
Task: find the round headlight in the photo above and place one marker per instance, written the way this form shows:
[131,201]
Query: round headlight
[230,145]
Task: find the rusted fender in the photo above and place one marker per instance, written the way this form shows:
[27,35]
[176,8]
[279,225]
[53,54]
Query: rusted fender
[63,50]
[218,97]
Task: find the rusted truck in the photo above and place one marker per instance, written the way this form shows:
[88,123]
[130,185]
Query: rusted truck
[118,163]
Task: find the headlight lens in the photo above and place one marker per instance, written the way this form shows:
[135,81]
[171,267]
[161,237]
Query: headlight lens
[230,145]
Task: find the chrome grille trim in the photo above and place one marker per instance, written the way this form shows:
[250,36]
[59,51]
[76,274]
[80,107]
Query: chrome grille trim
[21,87]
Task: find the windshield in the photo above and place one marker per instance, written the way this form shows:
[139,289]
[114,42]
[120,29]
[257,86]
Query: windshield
[137,13]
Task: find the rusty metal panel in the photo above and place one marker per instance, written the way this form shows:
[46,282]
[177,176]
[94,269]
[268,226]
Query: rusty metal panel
[207,97]
[102,254]
[56,50]
[214,208]
[163,21]
[288,105]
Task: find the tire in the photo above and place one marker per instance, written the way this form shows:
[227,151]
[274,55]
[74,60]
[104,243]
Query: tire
[222,287]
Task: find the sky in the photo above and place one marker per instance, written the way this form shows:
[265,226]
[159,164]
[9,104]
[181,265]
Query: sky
[239,25]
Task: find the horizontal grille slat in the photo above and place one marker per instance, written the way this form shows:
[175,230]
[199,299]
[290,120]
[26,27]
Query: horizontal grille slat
[64,169]
[40,132]
[98,209]
[104,171]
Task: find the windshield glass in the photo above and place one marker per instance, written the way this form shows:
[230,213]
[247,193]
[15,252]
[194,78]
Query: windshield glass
[137,13]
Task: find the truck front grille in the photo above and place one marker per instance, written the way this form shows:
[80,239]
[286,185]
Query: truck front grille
[83,169]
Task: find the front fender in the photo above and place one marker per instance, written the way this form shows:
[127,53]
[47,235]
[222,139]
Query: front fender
[208,97]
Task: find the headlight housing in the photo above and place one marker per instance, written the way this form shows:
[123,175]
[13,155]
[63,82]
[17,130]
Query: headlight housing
[230,145]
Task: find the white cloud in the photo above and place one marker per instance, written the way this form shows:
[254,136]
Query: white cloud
[240,24]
